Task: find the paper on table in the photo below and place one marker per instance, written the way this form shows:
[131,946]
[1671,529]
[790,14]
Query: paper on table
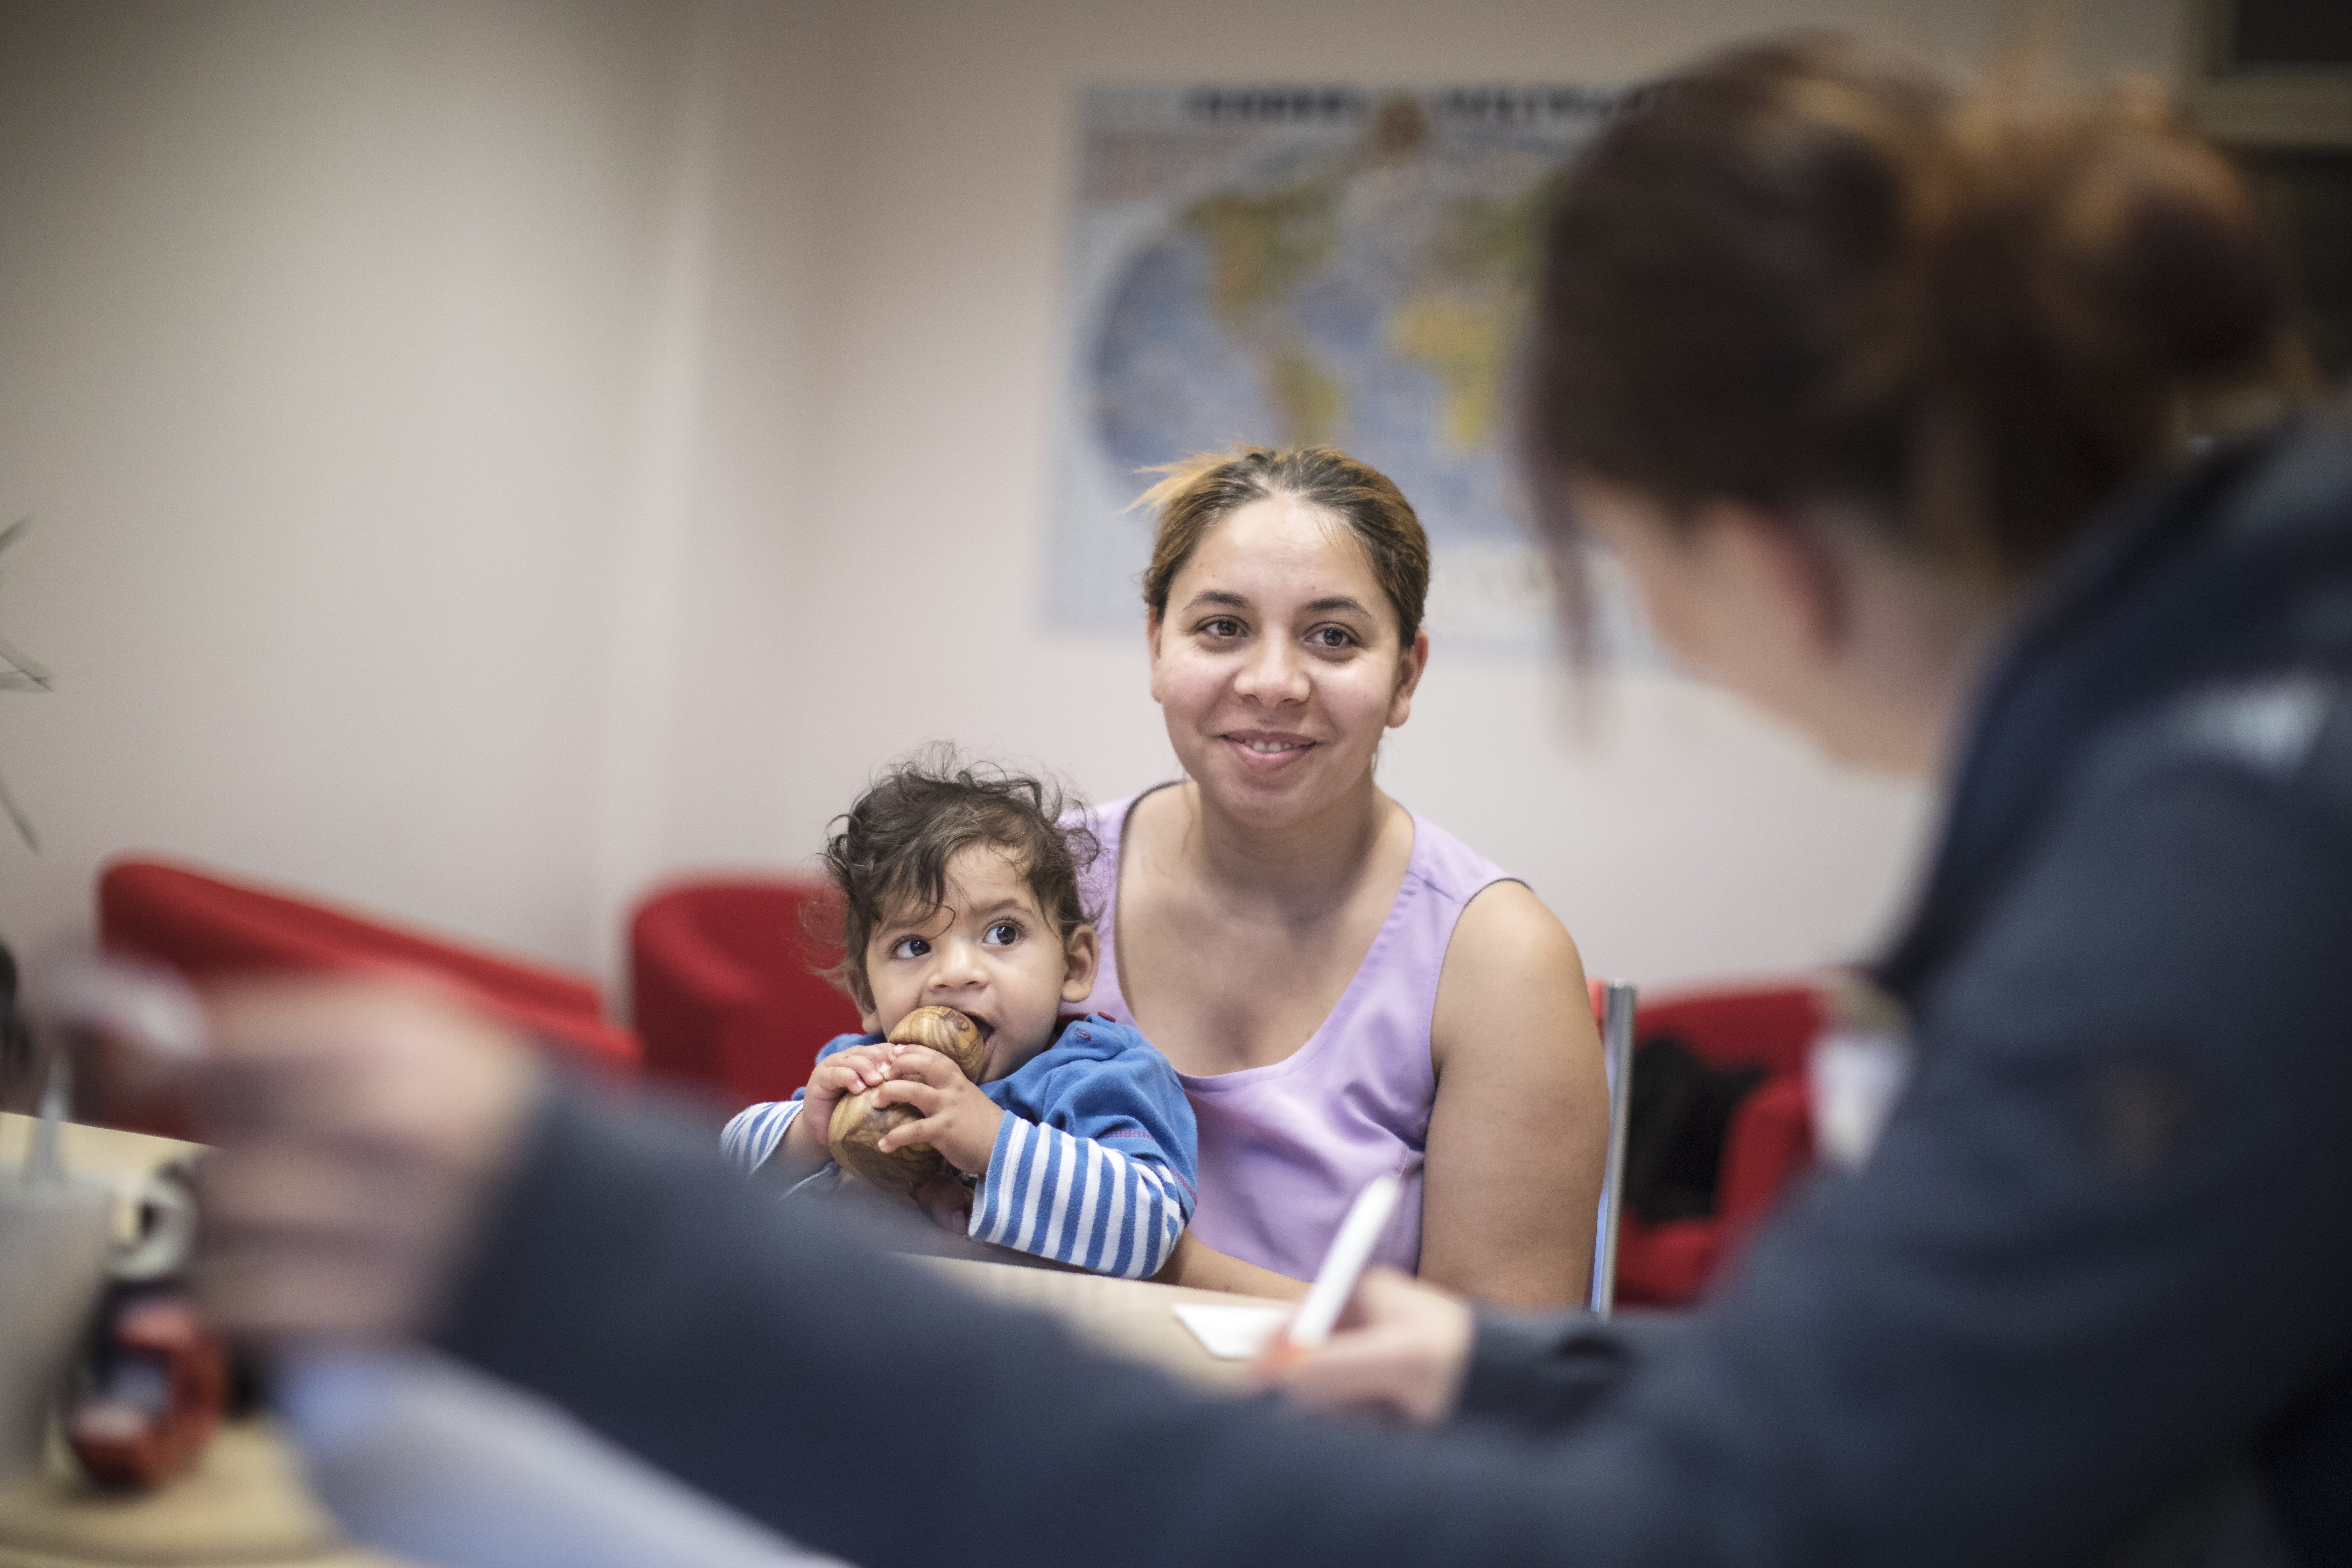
[1231,1333]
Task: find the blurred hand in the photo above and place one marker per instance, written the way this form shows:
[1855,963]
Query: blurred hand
[361,1125]
[948,1203]
[1402,1349]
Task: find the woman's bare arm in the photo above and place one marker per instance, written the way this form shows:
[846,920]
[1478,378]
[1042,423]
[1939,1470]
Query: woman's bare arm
[1520,1130]
[1203,1267]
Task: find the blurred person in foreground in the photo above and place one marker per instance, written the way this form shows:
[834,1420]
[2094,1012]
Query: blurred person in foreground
[1884,394]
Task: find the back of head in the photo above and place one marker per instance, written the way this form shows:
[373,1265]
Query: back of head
[1807,271]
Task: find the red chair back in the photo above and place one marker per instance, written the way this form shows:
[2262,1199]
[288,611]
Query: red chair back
[206,928]
[1770,1026]
[723,991]
[1767,1146]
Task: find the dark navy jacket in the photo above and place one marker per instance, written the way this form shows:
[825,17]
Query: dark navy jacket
[2095,1285]
[2091,1298]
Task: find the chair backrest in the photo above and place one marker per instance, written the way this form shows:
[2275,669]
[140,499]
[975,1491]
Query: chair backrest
[1767,1144]
[204,927]
[722,989]
[1770,1026]
[1612,1006]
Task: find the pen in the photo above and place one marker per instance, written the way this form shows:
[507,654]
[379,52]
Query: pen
[1352,1249]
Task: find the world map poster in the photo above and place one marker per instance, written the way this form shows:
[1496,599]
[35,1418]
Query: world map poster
[1288,266]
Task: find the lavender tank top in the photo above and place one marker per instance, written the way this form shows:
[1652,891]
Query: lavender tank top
[1286,1147]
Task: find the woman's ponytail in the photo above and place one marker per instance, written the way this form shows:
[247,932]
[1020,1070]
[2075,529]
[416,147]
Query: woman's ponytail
[1807,271]
[2097,279]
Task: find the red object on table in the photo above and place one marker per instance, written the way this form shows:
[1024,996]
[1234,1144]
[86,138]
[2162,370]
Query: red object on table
[206,927]
[168,1377]
[1767,1146]
[722,989]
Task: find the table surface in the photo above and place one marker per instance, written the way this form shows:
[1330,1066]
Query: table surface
[245,1503]
[119,1159]
[1126,1318]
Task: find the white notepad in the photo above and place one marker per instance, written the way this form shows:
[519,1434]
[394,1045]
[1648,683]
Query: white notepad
[1231,1333]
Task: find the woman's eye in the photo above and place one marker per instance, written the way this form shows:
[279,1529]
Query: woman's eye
[1222,626]
[1332,637]
[910,947]
[1003,933]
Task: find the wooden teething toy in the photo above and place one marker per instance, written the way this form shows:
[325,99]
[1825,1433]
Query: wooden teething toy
[858,1124]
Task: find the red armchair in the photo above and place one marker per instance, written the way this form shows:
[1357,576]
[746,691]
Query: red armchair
[204,927]
[1769,1144]
[722,989]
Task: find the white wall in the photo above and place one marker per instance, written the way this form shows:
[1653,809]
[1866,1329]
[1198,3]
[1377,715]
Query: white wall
[484,458]
[324,341]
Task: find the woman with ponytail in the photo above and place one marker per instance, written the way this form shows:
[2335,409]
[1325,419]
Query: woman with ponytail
[1962,434]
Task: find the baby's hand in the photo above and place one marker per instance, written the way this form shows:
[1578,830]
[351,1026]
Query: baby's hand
[948,1201]
[845,1072]
[959,1121]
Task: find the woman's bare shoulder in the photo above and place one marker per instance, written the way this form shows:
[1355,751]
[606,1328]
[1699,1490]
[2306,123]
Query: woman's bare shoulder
[1510,963]
[1504,923]
[1156,820]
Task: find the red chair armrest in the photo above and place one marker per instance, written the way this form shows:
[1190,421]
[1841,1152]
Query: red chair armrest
[206,927]
[1665,1264]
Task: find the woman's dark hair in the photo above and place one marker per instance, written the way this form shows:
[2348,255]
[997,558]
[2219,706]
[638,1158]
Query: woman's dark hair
[1806,271]
[896,842]
[1205,490]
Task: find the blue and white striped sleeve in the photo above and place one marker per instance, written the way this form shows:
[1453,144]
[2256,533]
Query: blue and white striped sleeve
[1079,1200]
[752,1133]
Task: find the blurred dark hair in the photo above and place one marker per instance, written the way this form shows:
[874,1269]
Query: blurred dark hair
[1205,489]
[1809,272]
[896,842]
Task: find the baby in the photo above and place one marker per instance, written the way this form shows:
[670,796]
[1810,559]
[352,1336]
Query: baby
[963,892]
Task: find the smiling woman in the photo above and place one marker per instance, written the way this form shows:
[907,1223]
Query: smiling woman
[1346,989]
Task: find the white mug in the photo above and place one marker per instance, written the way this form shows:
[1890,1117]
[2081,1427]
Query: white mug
[55,1236]
[59,1246]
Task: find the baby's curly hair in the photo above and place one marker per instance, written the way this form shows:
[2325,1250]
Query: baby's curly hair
[895,844]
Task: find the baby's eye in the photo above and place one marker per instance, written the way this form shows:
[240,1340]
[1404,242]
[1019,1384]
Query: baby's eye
[1003,933]
[910,947]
